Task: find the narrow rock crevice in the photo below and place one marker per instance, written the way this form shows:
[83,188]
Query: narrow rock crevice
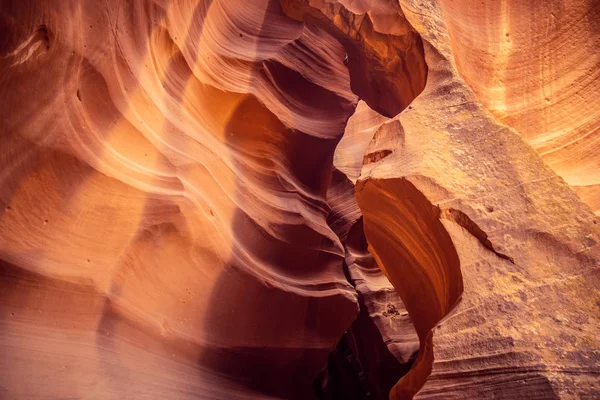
[388,77]
[376,156]
[381,345]
[362,366]
[470,226]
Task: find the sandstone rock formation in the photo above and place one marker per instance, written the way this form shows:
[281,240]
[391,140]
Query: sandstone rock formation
[535,66]
[299,199]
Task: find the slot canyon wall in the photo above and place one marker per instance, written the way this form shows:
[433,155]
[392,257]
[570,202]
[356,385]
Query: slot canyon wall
[299,199]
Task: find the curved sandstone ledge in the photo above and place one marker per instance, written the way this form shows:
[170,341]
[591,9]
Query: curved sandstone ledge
[412,247]
[381,344]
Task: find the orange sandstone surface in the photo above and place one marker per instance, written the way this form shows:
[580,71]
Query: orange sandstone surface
[299,199]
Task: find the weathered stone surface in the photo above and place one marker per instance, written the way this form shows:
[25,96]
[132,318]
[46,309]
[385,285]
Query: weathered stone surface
[297,199]
[535,66]
[493,254]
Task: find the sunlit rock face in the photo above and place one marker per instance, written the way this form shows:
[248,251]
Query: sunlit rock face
[294,199]
[535,66]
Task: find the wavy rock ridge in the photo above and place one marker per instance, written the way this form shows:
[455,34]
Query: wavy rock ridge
[297,199]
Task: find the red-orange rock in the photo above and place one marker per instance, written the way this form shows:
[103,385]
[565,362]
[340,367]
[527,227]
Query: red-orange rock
[535,66]
[299,199]
[493,254]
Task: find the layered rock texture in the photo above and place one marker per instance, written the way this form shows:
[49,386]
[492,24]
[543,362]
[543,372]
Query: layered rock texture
[299,199]
[536,68]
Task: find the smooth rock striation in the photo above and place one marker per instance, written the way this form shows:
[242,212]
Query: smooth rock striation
[535,66]
[297,199]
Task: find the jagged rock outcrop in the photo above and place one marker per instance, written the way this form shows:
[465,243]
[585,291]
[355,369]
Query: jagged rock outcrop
[298,199]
